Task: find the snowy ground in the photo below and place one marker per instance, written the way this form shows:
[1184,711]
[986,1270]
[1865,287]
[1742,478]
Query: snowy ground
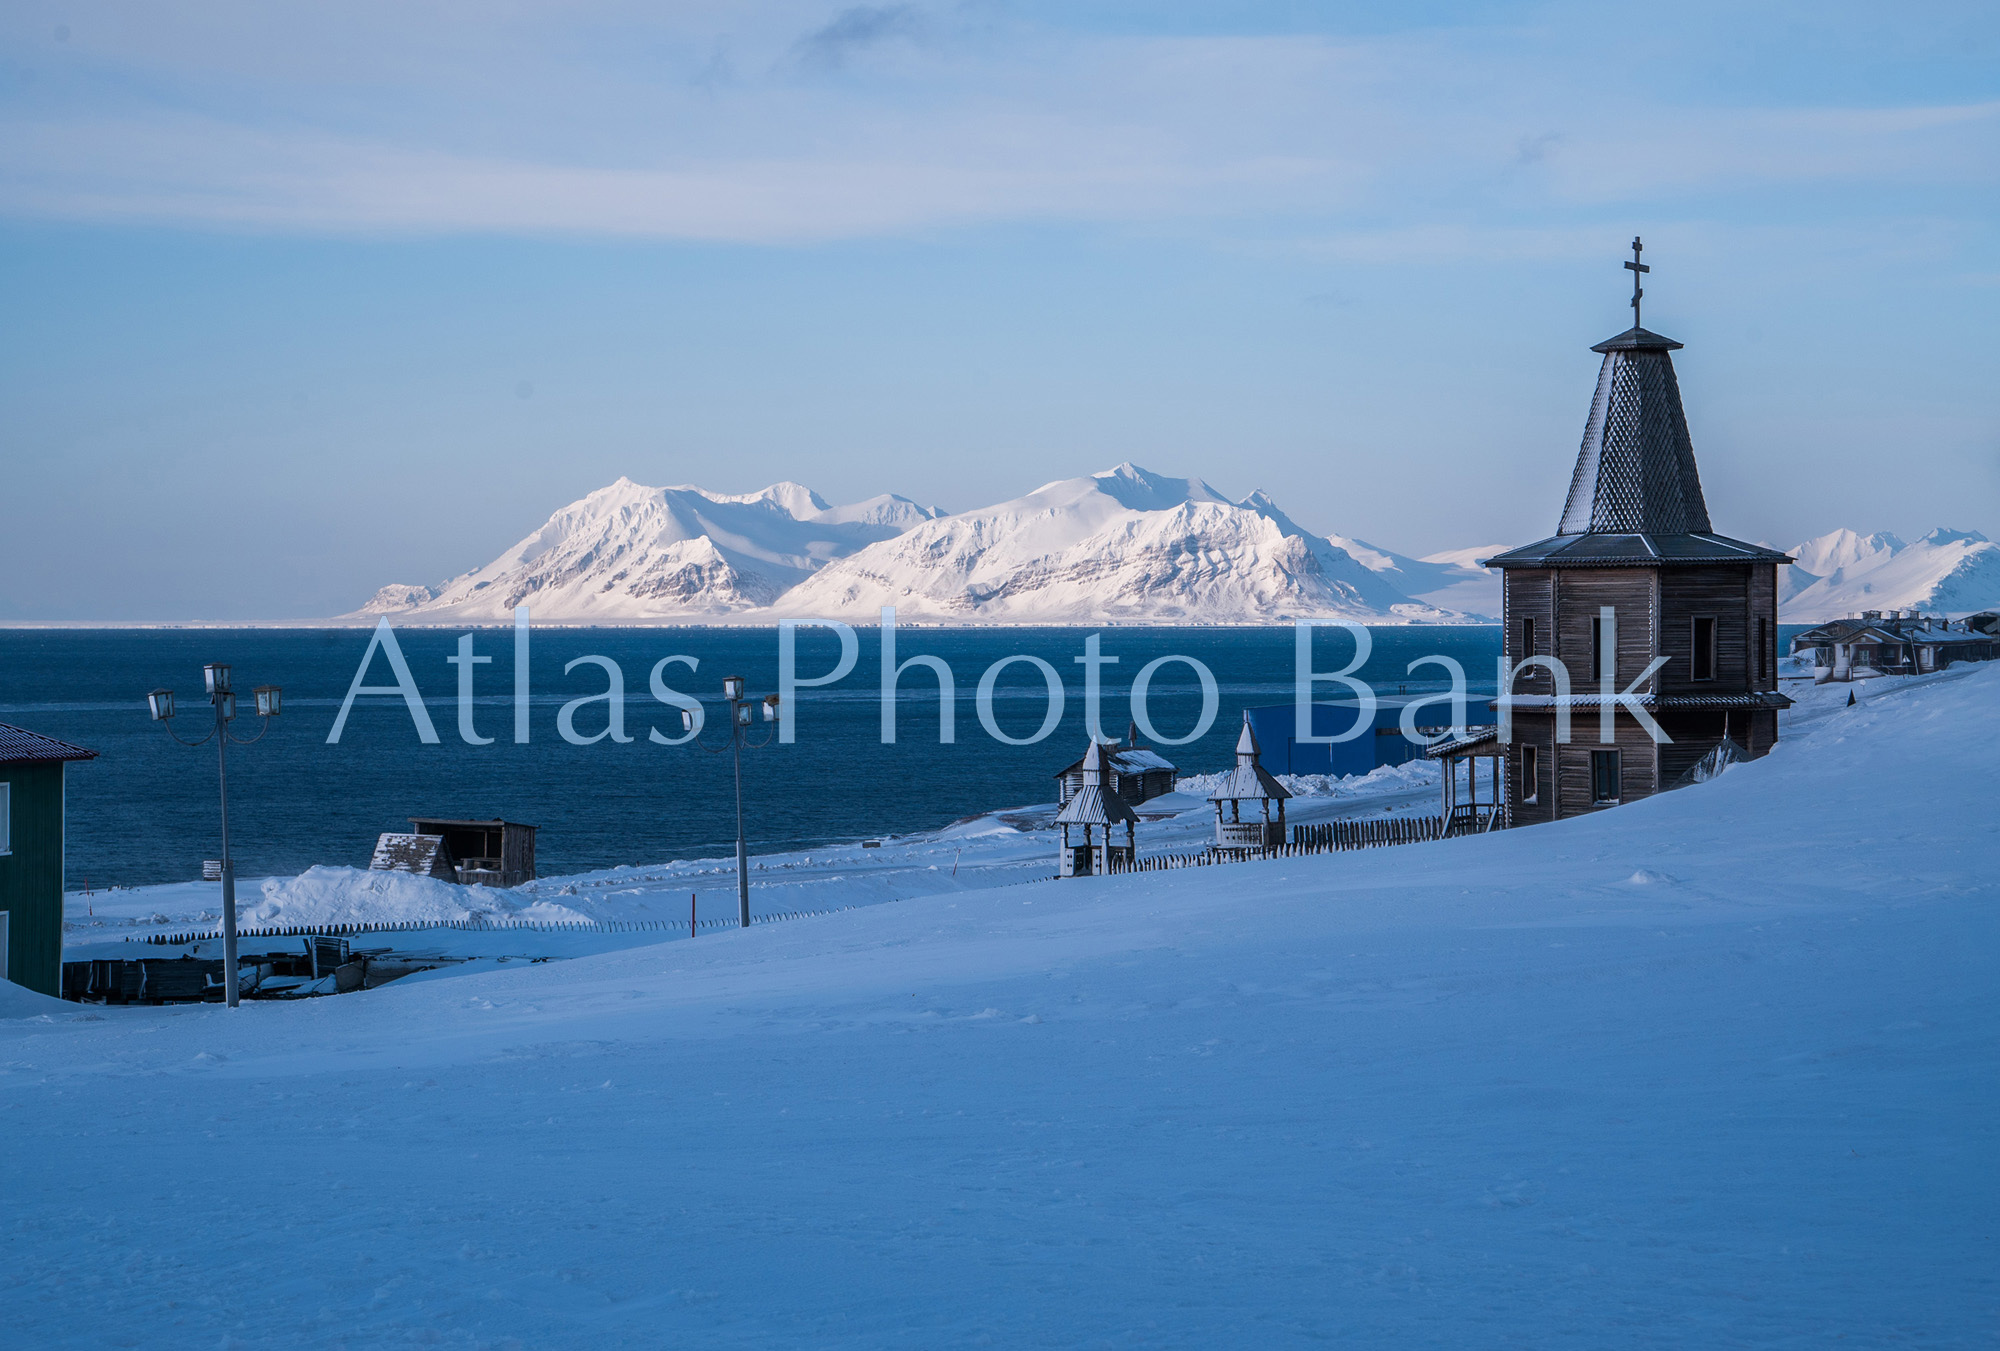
[1002,848]
[1715,1069]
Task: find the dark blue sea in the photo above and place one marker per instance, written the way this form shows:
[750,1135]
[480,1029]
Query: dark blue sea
[145,810]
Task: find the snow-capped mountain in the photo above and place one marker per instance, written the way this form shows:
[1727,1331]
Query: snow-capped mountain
[632,553]
[1125,545]
[1448,581]
[1452,580]
[1954,572]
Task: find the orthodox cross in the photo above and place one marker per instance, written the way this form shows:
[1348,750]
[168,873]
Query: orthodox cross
[1636,268]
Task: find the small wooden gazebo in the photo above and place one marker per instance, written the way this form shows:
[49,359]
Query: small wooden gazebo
[1249,782]
[1092,807]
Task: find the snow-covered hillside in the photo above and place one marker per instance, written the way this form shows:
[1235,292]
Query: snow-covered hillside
[1953,572]
[1125,545]
[1713,1069]
[628,552]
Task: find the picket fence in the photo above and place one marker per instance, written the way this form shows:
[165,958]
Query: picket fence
[1330,837]
[479,925]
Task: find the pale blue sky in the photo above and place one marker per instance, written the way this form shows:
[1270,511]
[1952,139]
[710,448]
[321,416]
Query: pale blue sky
[299,300]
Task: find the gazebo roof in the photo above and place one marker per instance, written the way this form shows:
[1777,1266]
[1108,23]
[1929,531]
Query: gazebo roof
[1249,781]
[1094,804]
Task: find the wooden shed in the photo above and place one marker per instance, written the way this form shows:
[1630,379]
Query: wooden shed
[492,853]
[33,779]
[1134,772]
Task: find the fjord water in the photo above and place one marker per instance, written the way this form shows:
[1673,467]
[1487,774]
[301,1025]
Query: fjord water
[145,810]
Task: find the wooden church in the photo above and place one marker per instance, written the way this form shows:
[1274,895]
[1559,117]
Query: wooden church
[1635,592]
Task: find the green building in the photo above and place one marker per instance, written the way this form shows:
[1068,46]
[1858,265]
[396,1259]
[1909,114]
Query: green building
[32,769]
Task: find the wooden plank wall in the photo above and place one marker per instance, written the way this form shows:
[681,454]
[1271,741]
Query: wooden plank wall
[1722,591]
[1580,592]
[1530,595]
[31,877]
[1638,765]
[1764,605]
[1539,731]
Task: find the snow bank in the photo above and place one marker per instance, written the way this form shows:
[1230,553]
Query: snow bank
[18,1001]
[328,895]
[1383,779]
[1711,1069]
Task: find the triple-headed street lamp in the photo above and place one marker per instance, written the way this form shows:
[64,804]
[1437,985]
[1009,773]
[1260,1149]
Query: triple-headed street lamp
[740,717]
[161,703]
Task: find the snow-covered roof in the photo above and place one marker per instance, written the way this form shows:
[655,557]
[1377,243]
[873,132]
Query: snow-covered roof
[1126,760]
[1474,737]
[402,852]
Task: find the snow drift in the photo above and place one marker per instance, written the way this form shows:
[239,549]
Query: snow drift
[335,895]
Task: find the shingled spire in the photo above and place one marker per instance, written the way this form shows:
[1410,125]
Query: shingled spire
[1635,498]
[1635,473]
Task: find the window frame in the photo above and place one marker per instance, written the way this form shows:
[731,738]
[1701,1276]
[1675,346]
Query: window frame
[6,818]
[1611,757]
[1764,653]
[1597,653]
[1694,647]
[1525,634]
[1530,785]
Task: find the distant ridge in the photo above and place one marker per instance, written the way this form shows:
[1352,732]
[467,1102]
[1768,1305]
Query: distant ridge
[1842,573]
[1124,546]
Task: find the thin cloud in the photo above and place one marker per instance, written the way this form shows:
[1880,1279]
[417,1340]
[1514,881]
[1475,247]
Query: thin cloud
[612,118]
[856,29]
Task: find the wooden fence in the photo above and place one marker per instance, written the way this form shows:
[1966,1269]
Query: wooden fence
[1332,837]
[480,925]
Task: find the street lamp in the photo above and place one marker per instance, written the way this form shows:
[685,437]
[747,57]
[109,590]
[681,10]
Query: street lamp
[741,716]
[160,703]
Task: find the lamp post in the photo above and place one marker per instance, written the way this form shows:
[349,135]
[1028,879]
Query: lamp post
[740,718]
[269,699]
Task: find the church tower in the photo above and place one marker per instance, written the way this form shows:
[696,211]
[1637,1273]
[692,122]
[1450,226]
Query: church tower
[1636,596]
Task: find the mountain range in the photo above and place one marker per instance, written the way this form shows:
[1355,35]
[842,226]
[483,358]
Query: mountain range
[1127,545]
[1950,572]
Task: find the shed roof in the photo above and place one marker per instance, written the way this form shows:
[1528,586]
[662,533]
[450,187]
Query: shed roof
[1128,760]
[1474,738]
[20,746]
[405,853]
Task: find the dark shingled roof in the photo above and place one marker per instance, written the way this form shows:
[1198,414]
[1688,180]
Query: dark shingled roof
[20,746]
[1635,472]
[1638,549]
[1638,340]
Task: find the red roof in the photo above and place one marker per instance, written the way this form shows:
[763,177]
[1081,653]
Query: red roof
[20,746]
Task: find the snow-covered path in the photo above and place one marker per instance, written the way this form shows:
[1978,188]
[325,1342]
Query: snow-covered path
[1713,1069]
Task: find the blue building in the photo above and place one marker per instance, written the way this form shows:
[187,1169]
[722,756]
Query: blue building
[1276,730]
